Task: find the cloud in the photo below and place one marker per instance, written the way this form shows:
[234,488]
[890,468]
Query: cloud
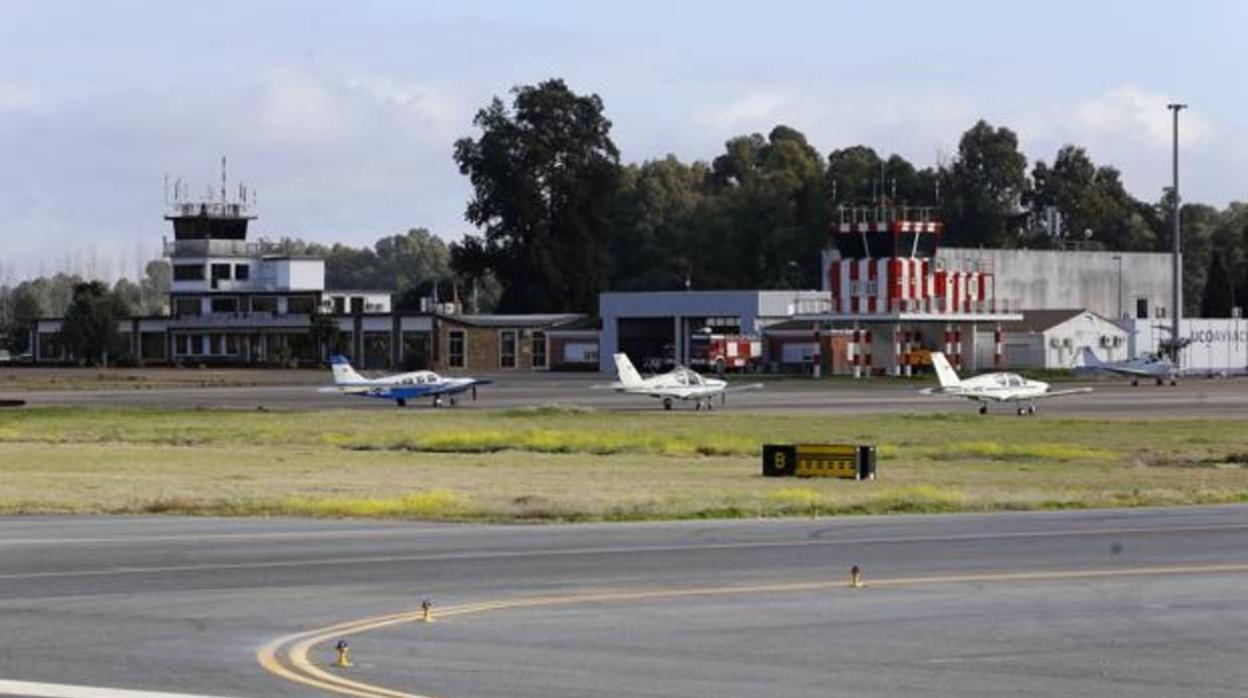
[299,109]
[14,97]
[1140,115]
[757,110]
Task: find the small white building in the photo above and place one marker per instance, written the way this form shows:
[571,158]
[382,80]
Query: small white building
[1052,339]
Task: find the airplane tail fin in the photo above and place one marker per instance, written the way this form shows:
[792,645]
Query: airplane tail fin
[628,375]
[343,373]
[944,372]
[1089,357]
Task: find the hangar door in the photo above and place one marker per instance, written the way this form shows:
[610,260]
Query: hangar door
[649,342]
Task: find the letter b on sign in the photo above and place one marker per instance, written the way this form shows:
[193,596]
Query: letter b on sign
[779,461]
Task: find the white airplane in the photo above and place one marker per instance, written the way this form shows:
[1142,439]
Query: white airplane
[678,384]
[994,387]
[1148,366]
[399,387]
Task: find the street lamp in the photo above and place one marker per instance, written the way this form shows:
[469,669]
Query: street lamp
[1176,292]
[1118,258]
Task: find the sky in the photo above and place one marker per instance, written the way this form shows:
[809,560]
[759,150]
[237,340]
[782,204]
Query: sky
[341,116]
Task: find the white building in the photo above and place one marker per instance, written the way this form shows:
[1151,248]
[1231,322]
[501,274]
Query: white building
[1052,339]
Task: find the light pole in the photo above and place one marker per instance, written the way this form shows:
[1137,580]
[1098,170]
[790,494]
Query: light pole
[1118,258]
[1176,264]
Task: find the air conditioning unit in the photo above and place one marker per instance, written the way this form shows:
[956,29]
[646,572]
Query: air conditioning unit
[1066,342]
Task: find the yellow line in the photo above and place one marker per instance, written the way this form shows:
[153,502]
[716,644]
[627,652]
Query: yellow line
[306,672]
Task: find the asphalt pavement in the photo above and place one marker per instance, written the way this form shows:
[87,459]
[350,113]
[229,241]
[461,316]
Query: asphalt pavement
[1126,602]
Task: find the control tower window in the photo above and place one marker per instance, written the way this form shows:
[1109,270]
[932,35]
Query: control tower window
[220,271]
[242,272]
[188,272]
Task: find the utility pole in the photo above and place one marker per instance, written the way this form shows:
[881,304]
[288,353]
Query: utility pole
[1176,298]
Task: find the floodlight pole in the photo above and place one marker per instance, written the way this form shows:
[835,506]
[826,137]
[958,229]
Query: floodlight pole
[1176,300]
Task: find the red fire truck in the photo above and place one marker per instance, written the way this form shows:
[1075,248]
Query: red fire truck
[724,352]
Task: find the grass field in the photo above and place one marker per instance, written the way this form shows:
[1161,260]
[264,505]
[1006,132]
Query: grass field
[572,464]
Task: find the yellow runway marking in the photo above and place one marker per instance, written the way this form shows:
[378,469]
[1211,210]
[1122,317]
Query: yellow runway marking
[293,650]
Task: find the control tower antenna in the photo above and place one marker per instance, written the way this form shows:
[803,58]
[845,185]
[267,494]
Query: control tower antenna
[222,180]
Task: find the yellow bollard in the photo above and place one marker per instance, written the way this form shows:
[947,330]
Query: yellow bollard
[344,655]
[855,578]
[426,611]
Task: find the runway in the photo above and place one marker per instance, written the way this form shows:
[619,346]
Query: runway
[1126,602]
[1196,397]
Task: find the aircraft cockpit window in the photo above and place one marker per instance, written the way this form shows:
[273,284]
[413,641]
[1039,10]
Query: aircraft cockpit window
[681,378]
[1015,382]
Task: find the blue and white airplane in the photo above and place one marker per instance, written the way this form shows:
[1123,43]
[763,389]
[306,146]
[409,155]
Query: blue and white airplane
[399,387]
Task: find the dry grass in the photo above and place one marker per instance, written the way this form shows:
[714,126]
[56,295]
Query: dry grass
[556,464]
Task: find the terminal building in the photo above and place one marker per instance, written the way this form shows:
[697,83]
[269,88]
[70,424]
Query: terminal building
[236,302]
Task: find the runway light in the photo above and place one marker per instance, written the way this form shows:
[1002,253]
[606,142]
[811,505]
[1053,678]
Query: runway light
[855,578]
[426,611]
[344,655]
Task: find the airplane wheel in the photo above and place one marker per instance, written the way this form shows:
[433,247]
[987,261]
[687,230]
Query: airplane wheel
[454,402]
[983,409]
[1031,410]
[1022,411]
[1173,383]
[667,403]
[1161,382]
[697,406]
[402,402]
[1134,383]
[709,405]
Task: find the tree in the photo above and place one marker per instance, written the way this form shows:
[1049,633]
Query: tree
[1089,198]
[89,330]
[544,175]
[154,288]
[1219,295]
[985,186]
[326,335]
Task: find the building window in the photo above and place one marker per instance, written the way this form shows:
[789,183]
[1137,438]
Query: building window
[225,305]
[455,352]
[188,272]
[186,306]
[263,304]
[181,345]
[357,305]
[340,305]
[220,271]
[507,349]
[242,272]
[301,305]
[539,349]
[1141,308]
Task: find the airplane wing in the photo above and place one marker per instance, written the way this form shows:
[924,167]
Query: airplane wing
[453,388]
[1060,393]
[743,388]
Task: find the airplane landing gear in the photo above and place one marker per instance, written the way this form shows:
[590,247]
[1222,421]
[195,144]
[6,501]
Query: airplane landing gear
[401,402]
[454,401]
[697,406]
[667,403]
[1135,382]
[983,409]
[1174,382]
[1026,410]
[437,400]
[1162,381]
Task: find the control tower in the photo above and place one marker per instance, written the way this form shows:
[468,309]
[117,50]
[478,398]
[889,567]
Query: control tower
[884,278]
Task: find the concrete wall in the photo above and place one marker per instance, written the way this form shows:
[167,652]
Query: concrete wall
[1056,279]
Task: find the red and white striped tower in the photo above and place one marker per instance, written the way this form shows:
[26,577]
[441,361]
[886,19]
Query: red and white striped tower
[868,340]
[852,349]
[998,348]
[898,357]
[957,347]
